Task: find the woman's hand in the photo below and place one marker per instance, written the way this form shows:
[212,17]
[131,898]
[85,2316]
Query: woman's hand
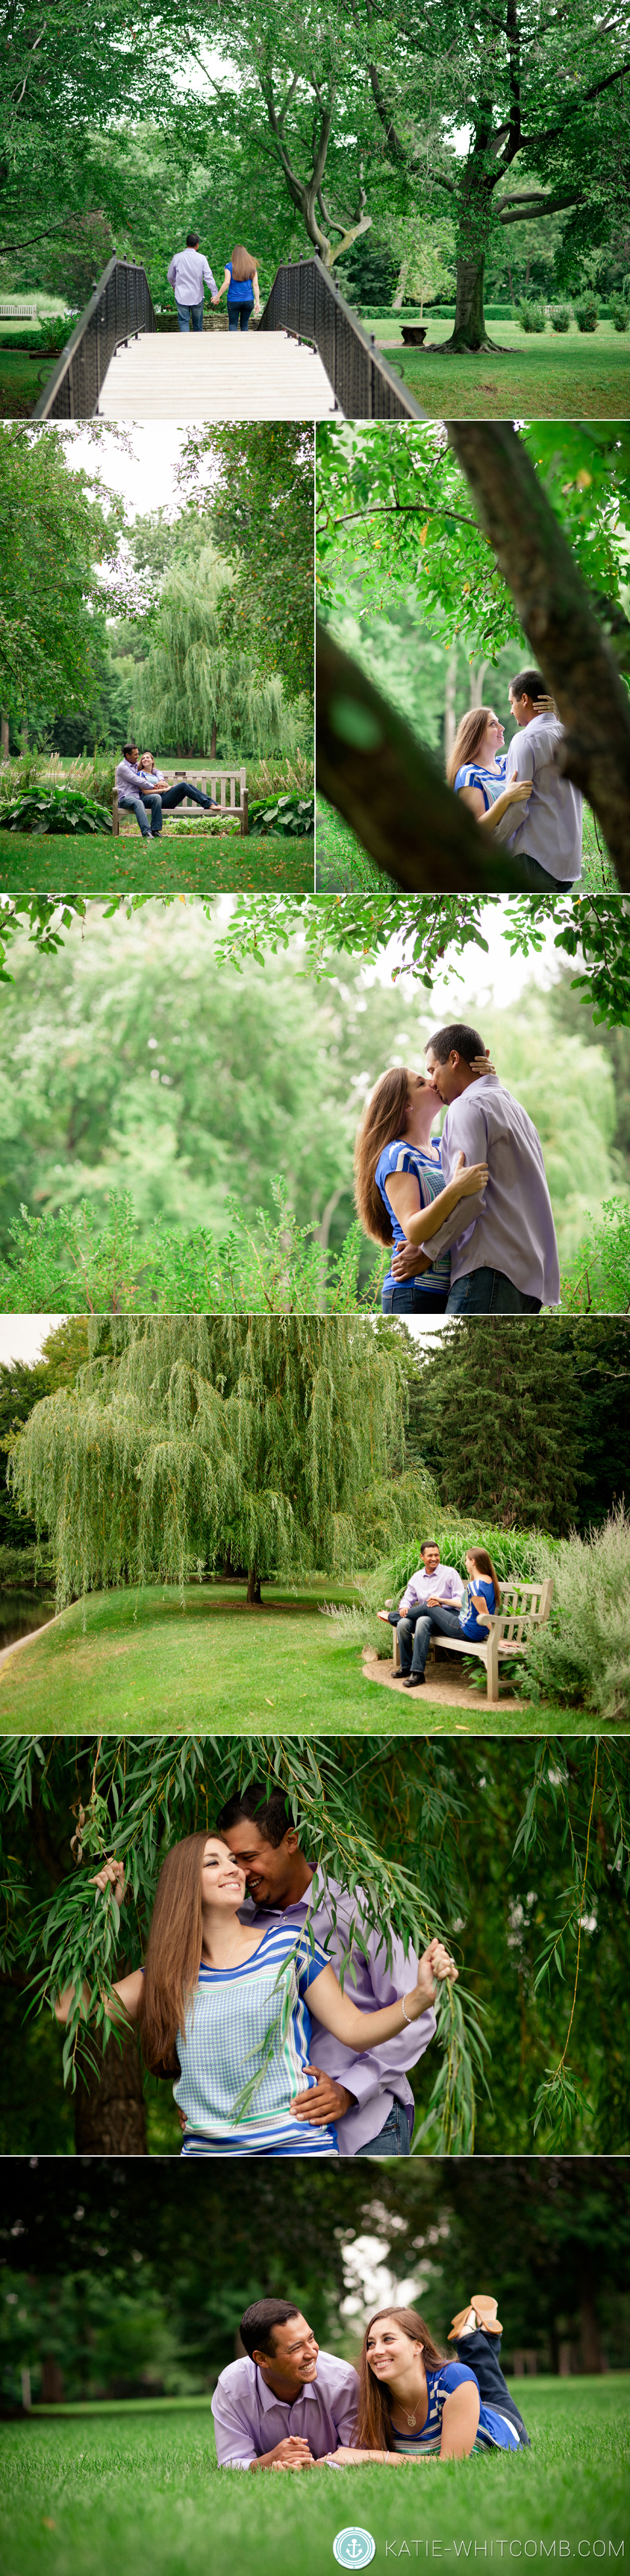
[470,1177]
[516,791]
[482,1064]
[436,1967]
[112,1875]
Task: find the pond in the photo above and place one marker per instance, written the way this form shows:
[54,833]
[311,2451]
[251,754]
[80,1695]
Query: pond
[22,1612]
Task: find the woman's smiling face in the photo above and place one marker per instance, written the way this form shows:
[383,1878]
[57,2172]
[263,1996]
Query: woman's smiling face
[222,1882]
[494,736]
[390,2352]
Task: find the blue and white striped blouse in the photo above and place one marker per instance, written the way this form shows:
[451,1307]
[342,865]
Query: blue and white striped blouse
[491,781]
[494,2433]
[401,1157]
[244,2050]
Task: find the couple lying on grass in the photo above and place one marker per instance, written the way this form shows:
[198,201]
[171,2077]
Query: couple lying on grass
[289,2406]
[423,1610]
[239,2000]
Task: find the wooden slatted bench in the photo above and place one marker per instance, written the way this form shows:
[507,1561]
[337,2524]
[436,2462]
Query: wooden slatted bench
[524,1607]
[215,783]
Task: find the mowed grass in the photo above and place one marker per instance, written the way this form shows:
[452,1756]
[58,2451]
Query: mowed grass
[138,1659]
[543,376]
[343,865]
[192,864]
[139,2488]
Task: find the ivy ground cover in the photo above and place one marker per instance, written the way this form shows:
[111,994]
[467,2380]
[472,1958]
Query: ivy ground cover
[103,2487]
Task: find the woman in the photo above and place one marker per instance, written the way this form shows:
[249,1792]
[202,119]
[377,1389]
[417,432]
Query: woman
[240,281]
[399,1178]
[476,772]
[479,1602]
[414,2402]
[226,2009]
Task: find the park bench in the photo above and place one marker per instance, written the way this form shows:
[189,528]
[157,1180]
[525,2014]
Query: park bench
[215,784]
[524,1607]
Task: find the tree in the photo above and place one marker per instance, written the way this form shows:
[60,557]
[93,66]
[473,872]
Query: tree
[261,504]
[196,681]
[56,526]
[22,1384]
[535,550]
[526,1428]
[211,1439]
[519,1850]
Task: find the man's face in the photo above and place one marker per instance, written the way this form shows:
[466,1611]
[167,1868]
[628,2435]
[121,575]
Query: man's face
[134,756]
[430,1559]
[445,1076]
[267,1868]
[522,709]
[295,2353]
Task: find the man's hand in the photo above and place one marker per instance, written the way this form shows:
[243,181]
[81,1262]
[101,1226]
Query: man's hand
[293,2453]
[325,2101]
[435,1602]
[407,1263]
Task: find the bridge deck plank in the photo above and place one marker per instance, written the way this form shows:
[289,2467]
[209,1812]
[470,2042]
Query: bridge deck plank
[215,375]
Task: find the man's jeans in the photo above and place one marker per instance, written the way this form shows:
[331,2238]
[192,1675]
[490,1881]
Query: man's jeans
[489,1292]
[446,1621]
[480,2353]
[542,877]
[187,313]
[406,1627]
[393,2139]
[163,804]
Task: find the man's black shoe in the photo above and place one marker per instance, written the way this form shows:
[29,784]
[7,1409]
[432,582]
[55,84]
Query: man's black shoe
[412,1680]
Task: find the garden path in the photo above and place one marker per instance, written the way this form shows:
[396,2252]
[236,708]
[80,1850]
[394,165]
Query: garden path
[215,375]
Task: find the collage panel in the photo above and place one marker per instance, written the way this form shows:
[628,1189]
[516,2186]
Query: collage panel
[314,1288]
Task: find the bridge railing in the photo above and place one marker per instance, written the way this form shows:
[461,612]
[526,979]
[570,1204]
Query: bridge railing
[120,307]
[307,301]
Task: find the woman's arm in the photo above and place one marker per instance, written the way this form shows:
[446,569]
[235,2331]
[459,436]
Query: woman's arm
[221,289]
[487,816]
[359,2030]
[481,1605]
[467,1181]
[122,2005]
[256,291]
[460,2418]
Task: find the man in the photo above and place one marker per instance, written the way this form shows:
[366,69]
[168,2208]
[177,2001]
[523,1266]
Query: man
[139,786]
[548,835]
[287,2404]
[429,1588]
[506,1263]
[368,2097]
[187,275]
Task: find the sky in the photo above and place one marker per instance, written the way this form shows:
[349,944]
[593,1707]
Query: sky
[145,478]
[21,1336]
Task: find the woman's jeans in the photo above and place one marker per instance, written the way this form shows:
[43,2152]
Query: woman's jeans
[187,313]
[480,2353]
[159,805]
[489,1292]
[238,314]
[408,1298]
[393,2139]
[424,1622]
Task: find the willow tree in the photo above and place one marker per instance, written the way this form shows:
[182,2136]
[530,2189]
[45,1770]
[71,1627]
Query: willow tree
[203,1438]
[197,681]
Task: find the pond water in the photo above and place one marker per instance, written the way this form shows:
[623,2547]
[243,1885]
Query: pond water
[22,1612]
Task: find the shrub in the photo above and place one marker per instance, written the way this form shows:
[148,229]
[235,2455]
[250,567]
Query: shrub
[583,1657]
[513,1552]
[292,816]
[587,314]
[532,317]
[619,312]
[599,1279]
[20,1566]
[560,315]
[56,810]
[70,1262]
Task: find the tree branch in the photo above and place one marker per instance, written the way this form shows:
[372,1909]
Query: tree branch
[388,788]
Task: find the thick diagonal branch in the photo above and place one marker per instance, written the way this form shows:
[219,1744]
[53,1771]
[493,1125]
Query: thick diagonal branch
[555,610]
[370,766]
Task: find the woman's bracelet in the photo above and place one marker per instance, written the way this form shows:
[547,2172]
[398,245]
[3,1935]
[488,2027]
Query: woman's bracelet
[410,2017]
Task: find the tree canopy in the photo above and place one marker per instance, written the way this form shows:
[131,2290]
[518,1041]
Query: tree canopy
[57,525]
[196,679]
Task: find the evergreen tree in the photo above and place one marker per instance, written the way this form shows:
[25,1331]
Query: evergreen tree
[250,1439]
[497,1413]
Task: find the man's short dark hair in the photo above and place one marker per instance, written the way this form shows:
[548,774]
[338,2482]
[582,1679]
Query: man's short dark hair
[128,747]
[428,1542]
[528,684]
[257,2325]
[192,240]
[456,1040]
[269,1812]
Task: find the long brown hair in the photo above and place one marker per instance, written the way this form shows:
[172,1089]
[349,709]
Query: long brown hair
[384,1118]
[485,1566]
[173,1954]
[242,264]
[468,741]
[374,2424]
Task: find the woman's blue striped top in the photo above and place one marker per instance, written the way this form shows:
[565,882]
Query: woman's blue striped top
[244,2050]
[401,1157]
[493,2431]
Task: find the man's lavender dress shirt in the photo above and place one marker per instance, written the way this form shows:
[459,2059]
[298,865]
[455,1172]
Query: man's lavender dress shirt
[516,1232]
[445,1585]
[249,2420]
[377,2077]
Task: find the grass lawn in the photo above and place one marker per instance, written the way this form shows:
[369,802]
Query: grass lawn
[136,1659]
[197,863]
[541,377]
[138,2487]
[22,378]
[343,866]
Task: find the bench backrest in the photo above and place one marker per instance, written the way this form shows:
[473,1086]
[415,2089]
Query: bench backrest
[215,782]
[522,1604]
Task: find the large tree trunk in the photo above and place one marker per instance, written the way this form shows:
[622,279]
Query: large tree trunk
[555,610]
[213,743]
[469,327]
[110,2114]
[590,2338]
[253,1585]
[390,790]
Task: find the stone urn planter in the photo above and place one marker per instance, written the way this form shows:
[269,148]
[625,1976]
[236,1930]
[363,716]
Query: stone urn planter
[413,334]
